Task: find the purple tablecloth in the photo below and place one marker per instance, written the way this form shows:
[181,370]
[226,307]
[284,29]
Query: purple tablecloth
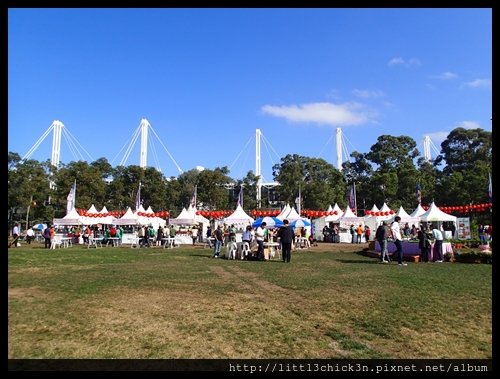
[411,248]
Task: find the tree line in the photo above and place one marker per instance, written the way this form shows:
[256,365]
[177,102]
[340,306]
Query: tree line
[389,173]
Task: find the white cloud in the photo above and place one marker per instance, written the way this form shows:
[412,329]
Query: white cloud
[479,83]
[468,125]
[395,61]
[322,113]
[367,94]
[407,63]
[445,76]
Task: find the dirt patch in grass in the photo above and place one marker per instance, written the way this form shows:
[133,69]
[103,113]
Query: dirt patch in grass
[26,293]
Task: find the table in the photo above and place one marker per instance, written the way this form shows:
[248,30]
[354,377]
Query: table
[273,248]
[94,242]
[411,248]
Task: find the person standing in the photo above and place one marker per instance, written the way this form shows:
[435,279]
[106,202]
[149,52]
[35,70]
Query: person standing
[353,234]
[259,236]
[381,235]
[367,233]
[219,239]
[15,235]
[46,235]
[194,234]
[438,243]
[359,233]
[287,237]
[30,235]
[396,234]
[424,242]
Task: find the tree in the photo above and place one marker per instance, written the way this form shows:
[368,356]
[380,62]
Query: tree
[321,184]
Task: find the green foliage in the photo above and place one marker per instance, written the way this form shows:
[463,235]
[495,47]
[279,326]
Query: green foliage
[387,173]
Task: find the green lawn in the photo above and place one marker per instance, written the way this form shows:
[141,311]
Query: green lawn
[179,303]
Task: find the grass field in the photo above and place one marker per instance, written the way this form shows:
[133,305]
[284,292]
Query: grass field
[329,302]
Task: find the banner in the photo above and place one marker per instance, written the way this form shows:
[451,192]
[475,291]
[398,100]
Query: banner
[463,231]
[193,198]
[352,199]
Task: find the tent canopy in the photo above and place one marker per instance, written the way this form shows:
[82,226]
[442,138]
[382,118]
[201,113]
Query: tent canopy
[238,217]
[436,214]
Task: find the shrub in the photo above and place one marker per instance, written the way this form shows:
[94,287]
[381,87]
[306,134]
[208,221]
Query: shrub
[473,256]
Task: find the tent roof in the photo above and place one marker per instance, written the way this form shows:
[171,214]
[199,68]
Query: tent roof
[405,217]
[188,217]
[419,211]
[284,212]
[73,214]
[374,208]
[334,217]
[385,208]
[239,216]
[92,209]
[436,214]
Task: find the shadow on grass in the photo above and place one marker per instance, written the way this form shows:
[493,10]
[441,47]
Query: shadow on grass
[357,261]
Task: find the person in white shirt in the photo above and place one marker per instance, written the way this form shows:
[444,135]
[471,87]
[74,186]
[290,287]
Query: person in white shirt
[259,236]
[396,234]
[30,236]
[438,243]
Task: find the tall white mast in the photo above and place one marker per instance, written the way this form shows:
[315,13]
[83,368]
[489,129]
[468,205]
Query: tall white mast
[339,148]
[257,166]
[144,143]
[56,142]
[427,148]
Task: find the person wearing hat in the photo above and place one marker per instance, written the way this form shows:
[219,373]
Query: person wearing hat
[381,236]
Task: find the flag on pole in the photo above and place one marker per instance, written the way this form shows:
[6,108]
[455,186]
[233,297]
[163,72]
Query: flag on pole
[193,198]
[352,199]
[138,198]
[490,188]
[419,192]
[70,204]
[240,198]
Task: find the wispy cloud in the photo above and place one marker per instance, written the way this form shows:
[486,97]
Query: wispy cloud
[396,61]
[468,125]
[407,63]
[445,76]
[367,94]
[479,83]
[322,113]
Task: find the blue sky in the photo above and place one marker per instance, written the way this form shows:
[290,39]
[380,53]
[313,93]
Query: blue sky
[206,79]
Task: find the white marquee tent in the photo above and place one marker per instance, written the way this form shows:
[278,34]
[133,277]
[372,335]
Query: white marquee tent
[239,217]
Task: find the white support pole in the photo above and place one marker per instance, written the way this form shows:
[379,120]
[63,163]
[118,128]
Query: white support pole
[427,148]
[258,172]
[144,143]
[56,142]
[339,148]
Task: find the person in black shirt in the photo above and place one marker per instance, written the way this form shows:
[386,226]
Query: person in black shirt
[287,237]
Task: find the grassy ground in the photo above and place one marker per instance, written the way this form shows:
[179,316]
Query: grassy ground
[330,302]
